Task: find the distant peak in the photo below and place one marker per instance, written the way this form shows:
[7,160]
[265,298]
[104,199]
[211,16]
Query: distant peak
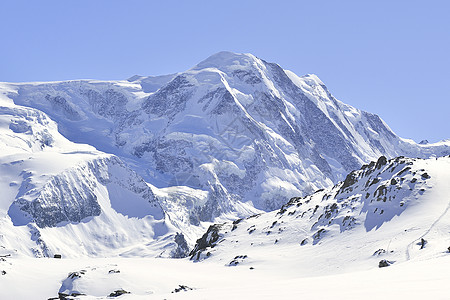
[226,58]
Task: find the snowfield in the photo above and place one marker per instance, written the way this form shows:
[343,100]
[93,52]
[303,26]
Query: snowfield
[151,278]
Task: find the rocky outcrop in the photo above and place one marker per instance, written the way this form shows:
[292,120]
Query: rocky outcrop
[182,248]
[208,240]
[71,195]
[366,199]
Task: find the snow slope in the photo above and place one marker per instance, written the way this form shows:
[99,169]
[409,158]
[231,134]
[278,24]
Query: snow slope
[382,211]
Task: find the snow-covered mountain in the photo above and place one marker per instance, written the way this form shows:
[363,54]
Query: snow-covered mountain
[390,210]
[242,132]
[145,167]
[162,155]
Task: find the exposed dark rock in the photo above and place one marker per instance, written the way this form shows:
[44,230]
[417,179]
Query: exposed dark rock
[379,252]
[403,171]
[75,275]
[114,271]
[235,223]
[381,162]
[209,239]
[384,263]
[182,288]
[63,296]
[57,256]
[118,293]
[182,249]
[237,260]
[374,181]
[318,235]
[349,180]
[422,243]
[426,176]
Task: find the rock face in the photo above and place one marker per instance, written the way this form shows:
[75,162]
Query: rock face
[70,196]
[208,240]
[182,249]
[245,131]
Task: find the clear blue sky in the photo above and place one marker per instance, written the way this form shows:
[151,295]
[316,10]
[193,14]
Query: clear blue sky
[387,57]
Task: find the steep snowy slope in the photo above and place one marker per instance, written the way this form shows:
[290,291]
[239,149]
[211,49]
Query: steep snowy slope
[67,198]
[326,245]
[396,210]
[245,131]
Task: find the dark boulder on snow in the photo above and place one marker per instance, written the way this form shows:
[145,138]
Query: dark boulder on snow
[182,288]
[422,243]
[118,293]
[384,263]
[237,260]
[64,296]
[426,176]
[379,252]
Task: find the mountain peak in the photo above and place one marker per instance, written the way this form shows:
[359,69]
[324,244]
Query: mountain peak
[226,59]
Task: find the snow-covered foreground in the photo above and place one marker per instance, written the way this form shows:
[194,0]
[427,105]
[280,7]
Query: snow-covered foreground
[152,278]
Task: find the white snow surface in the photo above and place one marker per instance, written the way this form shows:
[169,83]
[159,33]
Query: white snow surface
[152,278]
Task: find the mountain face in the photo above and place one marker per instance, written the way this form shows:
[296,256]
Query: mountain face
[245,131]
[52,187]
[392,210]
[164,156]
